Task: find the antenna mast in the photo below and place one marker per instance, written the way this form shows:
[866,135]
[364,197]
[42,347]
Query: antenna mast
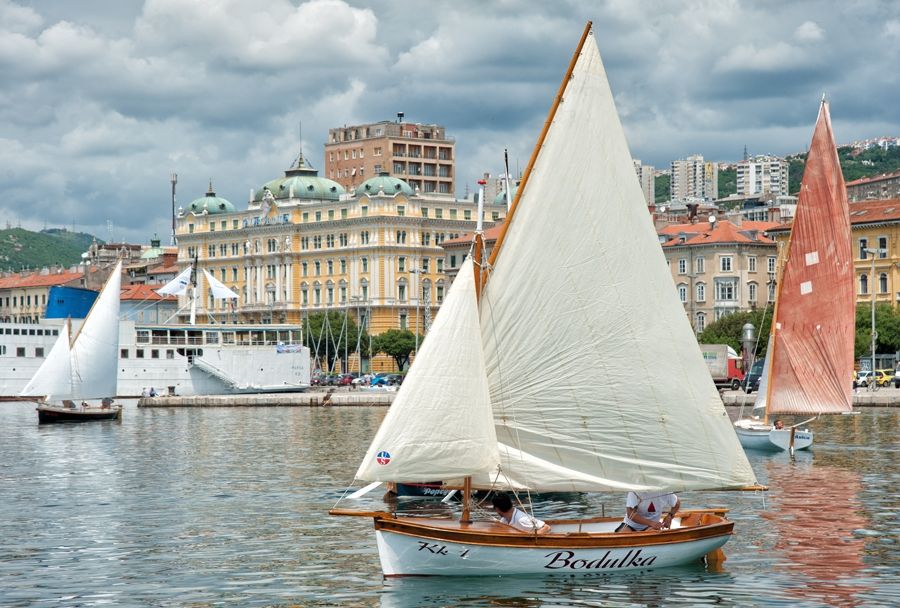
[174,181]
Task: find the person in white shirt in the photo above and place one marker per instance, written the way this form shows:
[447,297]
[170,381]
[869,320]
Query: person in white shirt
[517,518]
[652,510]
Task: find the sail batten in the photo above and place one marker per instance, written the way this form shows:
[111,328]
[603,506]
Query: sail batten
[814,327]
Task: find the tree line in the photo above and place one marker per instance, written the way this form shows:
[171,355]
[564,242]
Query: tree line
[330,336]
[728,329]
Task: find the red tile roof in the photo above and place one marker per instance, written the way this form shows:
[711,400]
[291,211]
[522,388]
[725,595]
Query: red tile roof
[490,235]
[866,212]
[874,178]
[20,280]
[723,232]
[143,292]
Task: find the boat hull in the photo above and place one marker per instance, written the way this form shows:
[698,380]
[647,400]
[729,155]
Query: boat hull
[773,440]
[408,547]
[51,414]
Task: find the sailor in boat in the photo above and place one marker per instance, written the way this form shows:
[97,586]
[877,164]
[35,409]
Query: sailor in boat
[654,511]
[779,424]
[517,518]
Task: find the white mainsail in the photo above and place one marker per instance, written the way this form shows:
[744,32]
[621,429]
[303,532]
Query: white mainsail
[759,405]
[84,366]
[95,347]
[597,381]
[53,379]
[440,424]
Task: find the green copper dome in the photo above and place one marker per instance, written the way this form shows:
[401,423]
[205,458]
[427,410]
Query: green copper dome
[383,181]
[500,199]
[301,181]
[210,204]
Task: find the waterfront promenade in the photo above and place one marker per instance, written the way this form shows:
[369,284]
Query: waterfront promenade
[343,396]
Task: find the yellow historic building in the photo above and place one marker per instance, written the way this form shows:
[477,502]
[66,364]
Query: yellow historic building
[875,241]
[304,244]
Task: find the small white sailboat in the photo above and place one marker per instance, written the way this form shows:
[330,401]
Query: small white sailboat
[810,354]
[576,289]
[83,367]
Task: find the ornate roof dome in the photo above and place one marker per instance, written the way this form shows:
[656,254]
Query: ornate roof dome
[301,181]
[210,204]
[500,199]
[384,181]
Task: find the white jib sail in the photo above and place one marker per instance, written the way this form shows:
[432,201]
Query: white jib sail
[440,424]
[217,288]
[178,285]
[762,394]
[53,378]
[596,379]
[95,348]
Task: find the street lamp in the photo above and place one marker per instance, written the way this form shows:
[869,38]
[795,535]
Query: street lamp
[873,253]
[418,297]
[748,339]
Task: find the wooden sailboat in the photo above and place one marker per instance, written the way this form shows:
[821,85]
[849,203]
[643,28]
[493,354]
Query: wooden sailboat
[83,367]
[810,354]
[577,288]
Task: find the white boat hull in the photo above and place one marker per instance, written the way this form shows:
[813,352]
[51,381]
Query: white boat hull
[406,554]
[766,438]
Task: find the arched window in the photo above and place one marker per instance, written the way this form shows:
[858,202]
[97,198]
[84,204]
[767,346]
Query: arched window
[701,321]
[863,283]
[682,292]
[882,283]
[701,292]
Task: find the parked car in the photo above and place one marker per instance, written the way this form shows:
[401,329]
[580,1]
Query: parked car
[346,379]
[751,380]
[883,376]
[863,377]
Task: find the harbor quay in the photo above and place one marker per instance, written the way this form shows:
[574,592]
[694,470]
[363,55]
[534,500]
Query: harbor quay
[884,397]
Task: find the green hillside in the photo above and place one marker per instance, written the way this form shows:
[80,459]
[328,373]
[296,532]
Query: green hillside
[20,248]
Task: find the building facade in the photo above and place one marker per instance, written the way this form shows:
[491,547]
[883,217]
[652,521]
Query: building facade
[761,175]
[305,245]
[875,225]
[720,268]
[880,187]
[694,178]
[646,178]
[421,155]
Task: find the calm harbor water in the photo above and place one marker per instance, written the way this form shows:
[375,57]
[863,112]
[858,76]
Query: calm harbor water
[229,507]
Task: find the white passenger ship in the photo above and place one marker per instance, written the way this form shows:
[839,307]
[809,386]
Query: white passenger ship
[218,359]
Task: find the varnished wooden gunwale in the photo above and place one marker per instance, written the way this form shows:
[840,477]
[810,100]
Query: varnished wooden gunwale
[497,535]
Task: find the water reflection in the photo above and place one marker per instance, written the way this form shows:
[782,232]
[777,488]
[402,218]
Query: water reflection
[814,513]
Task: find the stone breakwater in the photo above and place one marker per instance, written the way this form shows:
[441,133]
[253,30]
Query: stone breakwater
[310,399]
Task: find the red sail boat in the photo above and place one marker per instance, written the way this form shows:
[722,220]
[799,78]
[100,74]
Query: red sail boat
[810,360]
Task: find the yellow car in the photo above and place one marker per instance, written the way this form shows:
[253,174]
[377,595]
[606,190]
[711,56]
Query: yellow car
[884,376]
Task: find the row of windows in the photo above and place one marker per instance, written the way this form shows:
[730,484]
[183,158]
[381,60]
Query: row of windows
[15,331]
[329,293]
[882,248]
[726,264]
[864,283]
[25,300]
[140,353]
[725,291]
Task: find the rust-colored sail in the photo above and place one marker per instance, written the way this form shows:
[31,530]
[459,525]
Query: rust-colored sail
[816,311]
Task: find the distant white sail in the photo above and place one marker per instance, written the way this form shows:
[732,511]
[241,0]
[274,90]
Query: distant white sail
[762,393]
[95,347]
[218,289]
[178,285]
[53,379]
[84,366]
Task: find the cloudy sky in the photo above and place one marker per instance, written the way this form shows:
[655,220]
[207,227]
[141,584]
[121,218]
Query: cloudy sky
[102,100]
